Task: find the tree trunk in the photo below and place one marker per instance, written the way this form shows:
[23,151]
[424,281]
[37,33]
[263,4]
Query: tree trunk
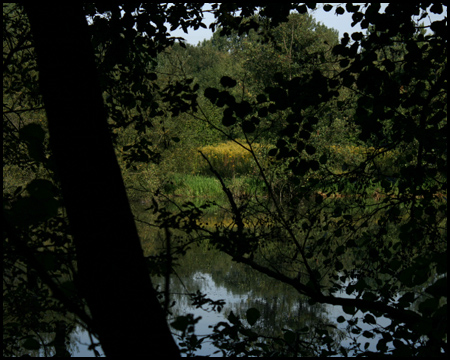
[115,283]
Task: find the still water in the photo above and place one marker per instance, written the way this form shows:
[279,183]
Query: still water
[241,287]
[216,275]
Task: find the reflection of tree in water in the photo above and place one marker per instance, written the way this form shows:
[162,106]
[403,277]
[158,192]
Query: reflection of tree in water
[281,307]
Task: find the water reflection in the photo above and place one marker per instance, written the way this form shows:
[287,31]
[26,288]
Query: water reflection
[215,274]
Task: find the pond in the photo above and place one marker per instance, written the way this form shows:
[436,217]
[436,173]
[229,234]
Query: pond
[220,278]
[282,308]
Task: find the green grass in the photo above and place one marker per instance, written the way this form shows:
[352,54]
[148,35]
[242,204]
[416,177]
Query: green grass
[201,186]
[194,186]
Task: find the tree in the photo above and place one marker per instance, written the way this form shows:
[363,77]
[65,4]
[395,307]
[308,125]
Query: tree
[111,268]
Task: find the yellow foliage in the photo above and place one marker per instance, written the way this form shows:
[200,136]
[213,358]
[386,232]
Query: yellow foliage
[228,158]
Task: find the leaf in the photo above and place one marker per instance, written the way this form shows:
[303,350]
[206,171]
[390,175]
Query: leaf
[33,135]
[233,318]
[211,93]
[349,309]
[31,210]
[248,127]
[439,288]
[226,81]
[48,260]
[323,159]
[369,319]
[436,8]
[311,150]
[314,165]
[340,319]
[344,63]
[429,306]
[340,10]
[261,98]
[31,344]
[357,36]
[252,315]
[289,337]
[327,7]
[228,120]
[41,189]
[181,323]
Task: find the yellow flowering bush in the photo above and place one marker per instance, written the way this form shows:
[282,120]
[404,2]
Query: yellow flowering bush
[228,158]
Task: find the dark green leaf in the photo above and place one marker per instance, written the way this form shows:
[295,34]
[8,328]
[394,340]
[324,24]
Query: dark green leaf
[428,306]
[226,81]
[211,93]
[439,288]
[314,165]
[31,344]
[370,319]
[311,150]
[32,133]
[436,8]
[340,10]
[180,323]
[344,63]
[323,159]
[338,265]
[228,120]
[261,98]
[248,127]
[252,315]
[302,9]
[289,337]
[263,112]
[48,260]
[233,318]
[41,189]
[349,309]
[357,36]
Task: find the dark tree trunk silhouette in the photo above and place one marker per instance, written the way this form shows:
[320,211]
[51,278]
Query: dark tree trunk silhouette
[114,279]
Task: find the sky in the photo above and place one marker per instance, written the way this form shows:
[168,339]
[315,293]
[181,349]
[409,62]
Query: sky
[342,23]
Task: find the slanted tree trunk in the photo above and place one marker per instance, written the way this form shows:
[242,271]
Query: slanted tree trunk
[115,282]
